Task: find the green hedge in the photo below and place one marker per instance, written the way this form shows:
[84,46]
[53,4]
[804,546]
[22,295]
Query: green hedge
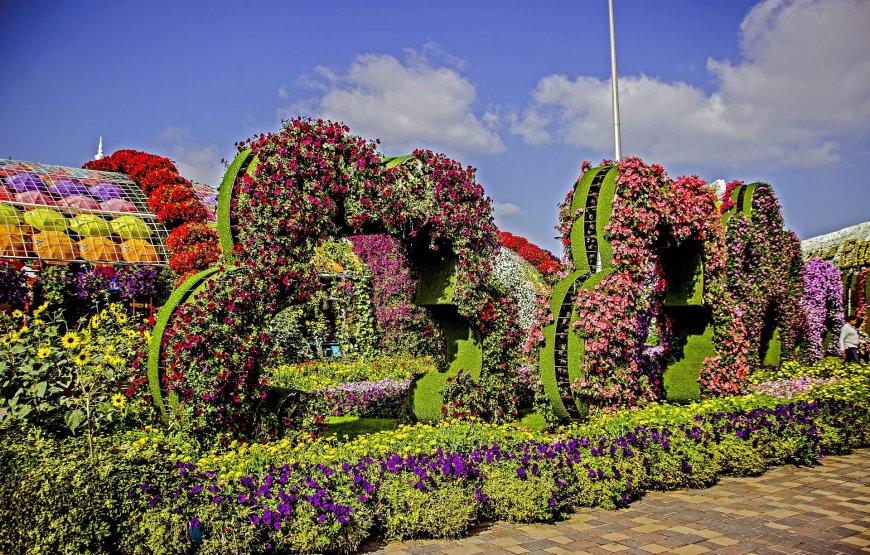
[53,498]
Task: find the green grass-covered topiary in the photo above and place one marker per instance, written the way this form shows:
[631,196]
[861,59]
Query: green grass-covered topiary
[178,297]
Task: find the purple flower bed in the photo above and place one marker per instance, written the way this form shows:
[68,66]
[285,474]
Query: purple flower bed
[347,500]
[384,397]
[790,387]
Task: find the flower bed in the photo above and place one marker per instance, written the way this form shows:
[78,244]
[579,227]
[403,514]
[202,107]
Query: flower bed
[165,494]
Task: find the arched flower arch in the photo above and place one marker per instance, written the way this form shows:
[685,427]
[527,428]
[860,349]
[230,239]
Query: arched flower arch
[284,195]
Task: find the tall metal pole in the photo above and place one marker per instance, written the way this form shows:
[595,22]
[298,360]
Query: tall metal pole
[617,141]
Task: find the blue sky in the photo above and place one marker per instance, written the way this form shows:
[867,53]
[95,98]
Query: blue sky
[777,90]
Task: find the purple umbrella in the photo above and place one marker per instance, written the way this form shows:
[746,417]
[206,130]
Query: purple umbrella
[79,201]
[106,191]
[26,182]
[118,205]
[65,188]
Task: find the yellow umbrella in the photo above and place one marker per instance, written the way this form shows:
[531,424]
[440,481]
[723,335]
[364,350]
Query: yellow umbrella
[138,250]
[131,227]
[9,215]
[54,244]
[89,225]
[46,219]
[99,248]
[13,241]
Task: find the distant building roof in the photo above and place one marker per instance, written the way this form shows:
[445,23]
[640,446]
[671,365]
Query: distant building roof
[848,248]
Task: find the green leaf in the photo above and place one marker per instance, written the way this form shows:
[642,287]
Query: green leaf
[23,411]
[40,389]
[74,418]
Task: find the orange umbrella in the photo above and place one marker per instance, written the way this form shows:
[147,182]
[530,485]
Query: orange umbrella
[13,241]
[139,250]
[99,248]
[54,244]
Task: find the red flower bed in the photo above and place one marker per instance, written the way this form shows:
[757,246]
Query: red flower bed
[172,199]
[542,260]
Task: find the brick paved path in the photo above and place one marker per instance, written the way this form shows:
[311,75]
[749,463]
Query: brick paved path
[821,510]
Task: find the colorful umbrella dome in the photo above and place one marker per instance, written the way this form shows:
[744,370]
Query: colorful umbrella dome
[35,197]
[9,215]
[13,241]
[131,227]
[26,182]
[5,195]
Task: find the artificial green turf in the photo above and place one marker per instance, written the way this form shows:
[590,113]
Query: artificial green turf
[225,194]
[464,352]
[547,353]
[437,279]
[178,297]
[771,349]
[393,161]
[577,237]
[691,343]
[603,211]
[684,271]
[355,426]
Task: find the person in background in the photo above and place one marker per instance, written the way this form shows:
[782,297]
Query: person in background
[864,341]
[849,340]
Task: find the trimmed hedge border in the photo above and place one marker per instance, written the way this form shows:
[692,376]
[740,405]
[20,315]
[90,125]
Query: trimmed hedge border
[334,506]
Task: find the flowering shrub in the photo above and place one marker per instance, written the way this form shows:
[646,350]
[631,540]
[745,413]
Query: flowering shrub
[788,388]
[614,315]
[173,201]
[55,285]
[386,397]
[822,303]
[324,374]
[403,327]
[137,282]
[13,286]
[61,379]
[759,249]
[195,246]
[318,495]
[93,283]
[513,274]
[544,261]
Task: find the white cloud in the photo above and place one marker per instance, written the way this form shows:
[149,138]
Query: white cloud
[196,162]
[411,104]
[506,210]
[802,86]
[282,93]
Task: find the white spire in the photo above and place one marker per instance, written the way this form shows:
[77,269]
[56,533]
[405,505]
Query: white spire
[100,155]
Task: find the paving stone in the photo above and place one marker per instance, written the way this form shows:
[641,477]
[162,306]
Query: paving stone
[821,510]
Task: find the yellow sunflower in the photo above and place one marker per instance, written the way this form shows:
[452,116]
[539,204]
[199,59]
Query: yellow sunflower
[118,400]
[41,309]
[82,359]
[70,340]
[17,313]
[43,352]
